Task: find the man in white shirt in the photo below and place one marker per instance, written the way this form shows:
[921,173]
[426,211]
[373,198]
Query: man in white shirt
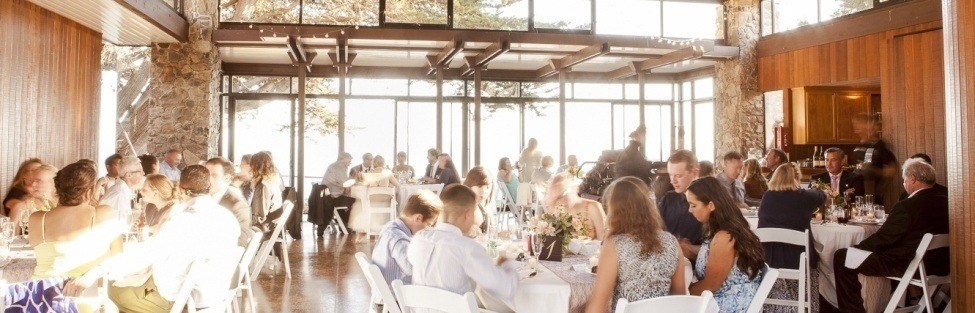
[170,165]
[334,179]
[229,197]
[112,165]
[148,275]
[121,195]
[444,258]
[430,175]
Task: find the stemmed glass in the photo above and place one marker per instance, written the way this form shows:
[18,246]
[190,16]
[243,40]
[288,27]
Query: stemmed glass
[7,228]
[24,219]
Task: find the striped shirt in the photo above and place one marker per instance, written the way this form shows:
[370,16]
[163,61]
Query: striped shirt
[390,252]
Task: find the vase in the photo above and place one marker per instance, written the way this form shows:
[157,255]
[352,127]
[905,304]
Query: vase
[551,249]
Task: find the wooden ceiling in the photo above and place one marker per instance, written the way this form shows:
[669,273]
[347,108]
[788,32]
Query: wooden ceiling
[124,22]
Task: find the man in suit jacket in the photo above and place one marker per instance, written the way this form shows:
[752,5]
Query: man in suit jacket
[229,197]
[365,167]
[939,188]
[893,246]
[430,176]
[846,182]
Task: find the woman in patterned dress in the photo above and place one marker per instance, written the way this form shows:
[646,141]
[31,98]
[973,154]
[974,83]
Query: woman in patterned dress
[639,259]
[731,262]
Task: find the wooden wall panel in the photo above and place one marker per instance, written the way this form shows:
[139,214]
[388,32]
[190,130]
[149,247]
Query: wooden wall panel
[853,60]
[49,88]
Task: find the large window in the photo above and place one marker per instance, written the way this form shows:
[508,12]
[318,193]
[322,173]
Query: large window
[542,123]
[414,132]
[321,138]
[628,17]
[260,11]
[416,11]
[588,129]
[265,125]
[340,12]
[783,15]
[696,116]
[491,14]
[693,20]
[500,132]
[369,127]
[563,14]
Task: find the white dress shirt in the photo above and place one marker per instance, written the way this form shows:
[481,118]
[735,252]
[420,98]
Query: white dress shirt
[444,258]
[119,198]
[201,230]
[171,172]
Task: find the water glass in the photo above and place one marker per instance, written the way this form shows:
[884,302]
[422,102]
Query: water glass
[869,199]
[879,213]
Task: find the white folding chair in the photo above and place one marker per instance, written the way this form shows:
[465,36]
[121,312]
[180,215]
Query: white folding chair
[926,282]
[336,219]
[207,274]
[277,236]
[697,304]
[243,288]
[423,297]
[377,283]
[436,190]
[764,289]
[801,275]
[514,210]
[371,206]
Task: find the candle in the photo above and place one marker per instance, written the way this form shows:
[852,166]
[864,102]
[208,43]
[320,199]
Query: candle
[593,261]
[532,262]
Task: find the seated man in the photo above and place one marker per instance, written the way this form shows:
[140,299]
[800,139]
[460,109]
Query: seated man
[420,212]
[673,206]
[334,179]
[893,246]
[840,180]
[444,258]
[147,276]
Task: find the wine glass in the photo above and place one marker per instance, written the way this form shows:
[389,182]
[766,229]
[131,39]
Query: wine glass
[7,228]
[24,219]
[536,241]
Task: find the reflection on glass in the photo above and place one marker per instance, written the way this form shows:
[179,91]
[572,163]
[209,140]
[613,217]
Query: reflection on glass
[321,139]
[542,123]
[588,129]
[500,132]
[264,125]
[415,133]
[563,14]
[704,131]
[340,12]
[491,14]
[259,11]
[369,127]
[628,17]
[693,20]
[416,11]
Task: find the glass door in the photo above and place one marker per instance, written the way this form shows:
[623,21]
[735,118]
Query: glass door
[264,123]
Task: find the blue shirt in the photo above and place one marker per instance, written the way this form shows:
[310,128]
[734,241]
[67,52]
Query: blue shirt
[390,252]
[678,219]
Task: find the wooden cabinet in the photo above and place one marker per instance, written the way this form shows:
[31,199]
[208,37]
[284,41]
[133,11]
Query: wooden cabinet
[822,115]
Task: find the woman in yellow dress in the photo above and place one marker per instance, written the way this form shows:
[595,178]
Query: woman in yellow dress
[74,236]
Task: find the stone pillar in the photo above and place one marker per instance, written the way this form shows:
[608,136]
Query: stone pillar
[183,95]
[739,109]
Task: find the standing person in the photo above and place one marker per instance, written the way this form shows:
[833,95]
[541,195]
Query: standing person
[18,188]
[673,206]
[730,176]
[443,257]
[841,181]
[507,175]
[364,167]
[112,165]
[877,163]
[564,196]
[150,164]
[160,196]
[754,182]
[229,197]
[147,276]
[529,161]
[402,168]
[786,205]
[170,164]
[334,179]
[639,259]
[448,172]
[429,176]
[731,262]
[773,159]
[571,167]
[632,161]
[121,196]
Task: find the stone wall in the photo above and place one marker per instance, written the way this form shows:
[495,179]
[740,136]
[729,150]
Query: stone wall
[739,108]
[183,105]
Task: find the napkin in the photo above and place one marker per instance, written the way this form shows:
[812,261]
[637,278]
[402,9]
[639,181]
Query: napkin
[855,257]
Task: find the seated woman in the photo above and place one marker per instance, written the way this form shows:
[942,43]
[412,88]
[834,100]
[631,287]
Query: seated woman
[543,176]
[40,194]
[379,175]
[478,180]
[731,262]
[402,168]
[507,175]
[159,195]
[788,206]
[18,188]
[754,181]
[639,259]
[448,172]
[563,196]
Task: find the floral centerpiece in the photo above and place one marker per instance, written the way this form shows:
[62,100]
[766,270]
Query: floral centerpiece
[836,198]
[556,231]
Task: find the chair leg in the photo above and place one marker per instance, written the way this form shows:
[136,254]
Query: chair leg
[285,259]
[249,291]
[262,255]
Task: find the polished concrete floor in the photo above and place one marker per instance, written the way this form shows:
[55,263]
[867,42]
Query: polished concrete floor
[325,277]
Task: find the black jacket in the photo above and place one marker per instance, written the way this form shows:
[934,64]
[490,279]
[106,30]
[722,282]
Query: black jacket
[848,180]
[909,220]
[632,163]
[939,189]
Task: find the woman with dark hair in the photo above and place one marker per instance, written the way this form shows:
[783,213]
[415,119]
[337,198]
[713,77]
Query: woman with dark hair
[480,182]
[448,172]
[243,179]
[507,175]
[18,188]
[267,197]
[150,164]
[639,259]
[755,183]
[731,262]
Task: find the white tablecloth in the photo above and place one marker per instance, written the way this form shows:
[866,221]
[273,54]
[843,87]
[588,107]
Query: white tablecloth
[405,191]
[22,262]
[831,237]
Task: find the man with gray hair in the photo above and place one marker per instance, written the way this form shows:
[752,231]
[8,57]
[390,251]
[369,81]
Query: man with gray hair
[334,179]
[892,247]
[121,195]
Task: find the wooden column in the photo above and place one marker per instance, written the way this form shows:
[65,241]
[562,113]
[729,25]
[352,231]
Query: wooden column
[643,109]
[343,72]
[440,109]
[477,116]
[959,61]
[302,73]
[562,76]
[465,131]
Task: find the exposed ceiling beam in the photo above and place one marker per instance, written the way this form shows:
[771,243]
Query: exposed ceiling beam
[296,51]
[161,15]
[490,53]
[571,60]
[678,56]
